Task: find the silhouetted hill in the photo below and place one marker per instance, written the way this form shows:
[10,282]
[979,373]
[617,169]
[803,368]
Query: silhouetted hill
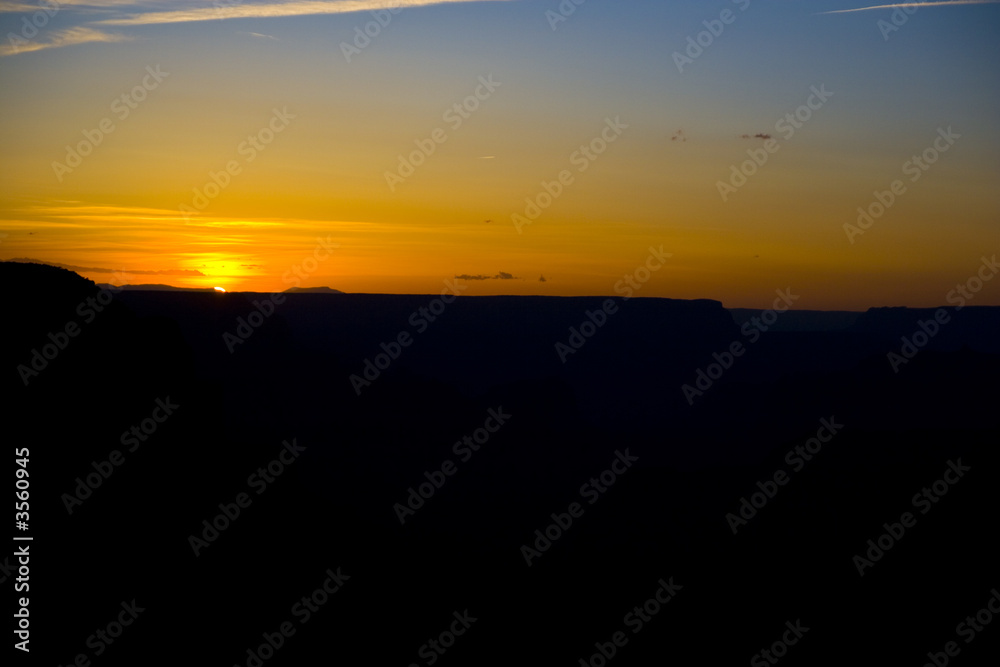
[337,504]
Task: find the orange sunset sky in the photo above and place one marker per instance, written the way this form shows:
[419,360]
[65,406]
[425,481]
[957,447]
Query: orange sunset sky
[161,96]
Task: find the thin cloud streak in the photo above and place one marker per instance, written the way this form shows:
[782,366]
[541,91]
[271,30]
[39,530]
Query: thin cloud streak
[61,38]
[7,7]
[272,10]
[51,6]
[904,5]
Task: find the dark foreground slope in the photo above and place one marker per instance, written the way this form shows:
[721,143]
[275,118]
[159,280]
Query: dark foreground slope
[409,567]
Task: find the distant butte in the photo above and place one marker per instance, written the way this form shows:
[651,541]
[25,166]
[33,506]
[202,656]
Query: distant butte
[313,290]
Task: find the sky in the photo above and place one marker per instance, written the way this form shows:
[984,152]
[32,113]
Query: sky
[534,147]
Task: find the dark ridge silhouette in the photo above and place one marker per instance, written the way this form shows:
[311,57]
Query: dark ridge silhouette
[156,287]
[974,326]
[800,320]
[663,518]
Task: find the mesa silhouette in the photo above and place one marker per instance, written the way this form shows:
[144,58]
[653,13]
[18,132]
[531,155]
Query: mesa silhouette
[366,451]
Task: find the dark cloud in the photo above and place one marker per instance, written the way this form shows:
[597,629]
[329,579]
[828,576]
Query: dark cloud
[503,275]
[759,135]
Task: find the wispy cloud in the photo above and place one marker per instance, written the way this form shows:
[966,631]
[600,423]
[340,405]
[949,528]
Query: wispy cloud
[16,7]
[233,223]
[903,5]
[55,5]
[150,12]
[271,10]
[60,38]
[73,209]
[129,215]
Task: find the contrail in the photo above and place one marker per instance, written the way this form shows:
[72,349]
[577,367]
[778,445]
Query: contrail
[940,3]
